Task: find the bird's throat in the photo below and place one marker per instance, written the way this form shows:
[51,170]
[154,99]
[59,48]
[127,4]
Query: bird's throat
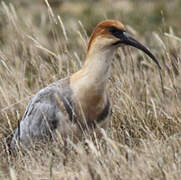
[93,76]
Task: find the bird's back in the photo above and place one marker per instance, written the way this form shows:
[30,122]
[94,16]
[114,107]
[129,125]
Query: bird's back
[44,113]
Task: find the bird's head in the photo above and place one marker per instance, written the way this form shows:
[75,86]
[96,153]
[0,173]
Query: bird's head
[111,34]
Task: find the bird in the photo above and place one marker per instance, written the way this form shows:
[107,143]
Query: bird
[79,102]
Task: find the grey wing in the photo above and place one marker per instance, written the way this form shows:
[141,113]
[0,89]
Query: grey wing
[41,117]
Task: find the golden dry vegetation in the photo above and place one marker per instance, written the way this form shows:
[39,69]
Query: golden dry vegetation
[42,42]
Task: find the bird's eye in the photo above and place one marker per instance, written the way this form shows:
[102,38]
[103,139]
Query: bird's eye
[116,32]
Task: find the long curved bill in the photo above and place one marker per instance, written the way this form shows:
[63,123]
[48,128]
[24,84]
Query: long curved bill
[129,40]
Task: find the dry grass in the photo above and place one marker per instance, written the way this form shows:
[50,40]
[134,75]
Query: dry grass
[143,141]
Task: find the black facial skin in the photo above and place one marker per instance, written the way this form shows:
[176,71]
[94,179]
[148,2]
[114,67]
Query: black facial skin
[125,38]
[116,32]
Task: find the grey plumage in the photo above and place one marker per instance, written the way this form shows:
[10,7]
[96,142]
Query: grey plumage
[43,114]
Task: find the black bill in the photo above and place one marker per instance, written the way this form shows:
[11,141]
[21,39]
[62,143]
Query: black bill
[129,40]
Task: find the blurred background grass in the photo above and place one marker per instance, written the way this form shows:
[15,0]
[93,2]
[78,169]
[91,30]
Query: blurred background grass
[149,14]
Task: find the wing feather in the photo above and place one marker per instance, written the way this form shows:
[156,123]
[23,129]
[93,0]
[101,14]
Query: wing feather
[43,114]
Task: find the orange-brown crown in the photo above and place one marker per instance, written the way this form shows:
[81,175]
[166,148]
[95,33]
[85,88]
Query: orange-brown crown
[102,29]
